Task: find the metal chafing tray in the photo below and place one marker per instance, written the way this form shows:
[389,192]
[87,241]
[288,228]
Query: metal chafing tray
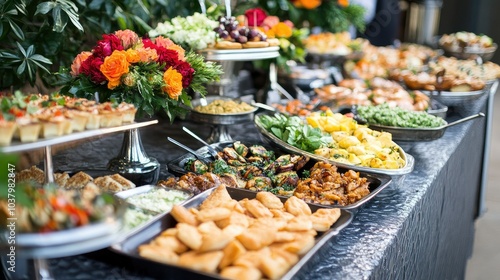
[420,134]
[129,246]
[377,182]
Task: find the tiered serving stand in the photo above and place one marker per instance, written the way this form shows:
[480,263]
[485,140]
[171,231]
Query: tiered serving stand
[37,247]
[227,58]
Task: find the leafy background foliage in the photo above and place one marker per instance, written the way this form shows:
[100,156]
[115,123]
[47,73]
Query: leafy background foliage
[39,37]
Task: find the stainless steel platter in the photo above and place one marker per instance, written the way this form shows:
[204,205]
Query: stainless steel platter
[129,246]
[123,195]
[485,54]
[275,141]
[420,134]
[18,146]
[377,182]
[248,54]
[219,119]
[451,98]
[68,242]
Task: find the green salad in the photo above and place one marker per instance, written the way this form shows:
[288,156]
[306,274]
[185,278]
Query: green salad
[384,115]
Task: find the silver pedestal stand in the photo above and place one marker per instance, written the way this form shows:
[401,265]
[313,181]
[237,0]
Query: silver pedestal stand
[133,163]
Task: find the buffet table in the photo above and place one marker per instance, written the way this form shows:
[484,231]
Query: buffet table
[420,227]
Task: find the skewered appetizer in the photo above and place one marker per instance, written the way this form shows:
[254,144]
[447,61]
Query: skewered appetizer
[34,116]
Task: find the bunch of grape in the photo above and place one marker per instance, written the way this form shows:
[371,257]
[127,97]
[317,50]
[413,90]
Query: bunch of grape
[229,30]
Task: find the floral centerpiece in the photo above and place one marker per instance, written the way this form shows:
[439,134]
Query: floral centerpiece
[153,74]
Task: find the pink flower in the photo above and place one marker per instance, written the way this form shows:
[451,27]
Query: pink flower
[163,42]
[127,37]
[255,16]
[77,63]
[289,23]
[270,21]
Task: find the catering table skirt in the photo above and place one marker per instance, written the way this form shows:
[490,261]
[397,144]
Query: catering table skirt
[421,227]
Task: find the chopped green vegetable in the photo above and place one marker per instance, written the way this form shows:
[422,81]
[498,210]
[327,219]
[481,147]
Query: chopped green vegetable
[384,115]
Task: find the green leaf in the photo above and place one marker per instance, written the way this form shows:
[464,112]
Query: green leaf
[17,30]
[95,4]
[44,7]
[29,51]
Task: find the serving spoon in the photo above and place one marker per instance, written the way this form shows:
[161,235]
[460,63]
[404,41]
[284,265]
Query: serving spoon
[463,120]
[211,150]
[193,152]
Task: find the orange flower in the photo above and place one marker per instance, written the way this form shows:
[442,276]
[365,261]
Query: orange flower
[163,42]
[173,83]
[282,30]
[343,3]
[307,4]
[132,56]
[180,51]
[77,62]
[147,55]
[114,67]
[128,38]
[270,33]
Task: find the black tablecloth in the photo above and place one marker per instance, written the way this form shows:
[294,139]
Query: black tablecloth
[420,227]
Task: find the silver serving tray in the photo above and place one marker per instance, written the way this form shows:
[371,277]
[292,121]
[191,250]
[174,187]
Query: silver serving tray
[248,54]
[275,141]
[18,146]
[123,195]
[411,134]
[145,189]
[486,54]
[69,242]
[128,247]
[377,182]
[219,119]
[451,98]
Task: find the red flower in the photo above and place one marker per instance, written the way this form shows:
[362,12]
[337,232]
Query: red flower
[108,44]
[148,44]
[255,16]
[90,68]
[169,57]
[186,71]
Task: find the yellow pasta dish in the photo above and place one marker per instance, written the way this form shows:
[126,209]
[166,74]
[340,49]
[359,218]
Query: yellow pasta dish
[356,144]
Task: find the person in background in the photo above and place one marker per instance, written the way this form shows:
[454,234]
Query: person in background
[382,19]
